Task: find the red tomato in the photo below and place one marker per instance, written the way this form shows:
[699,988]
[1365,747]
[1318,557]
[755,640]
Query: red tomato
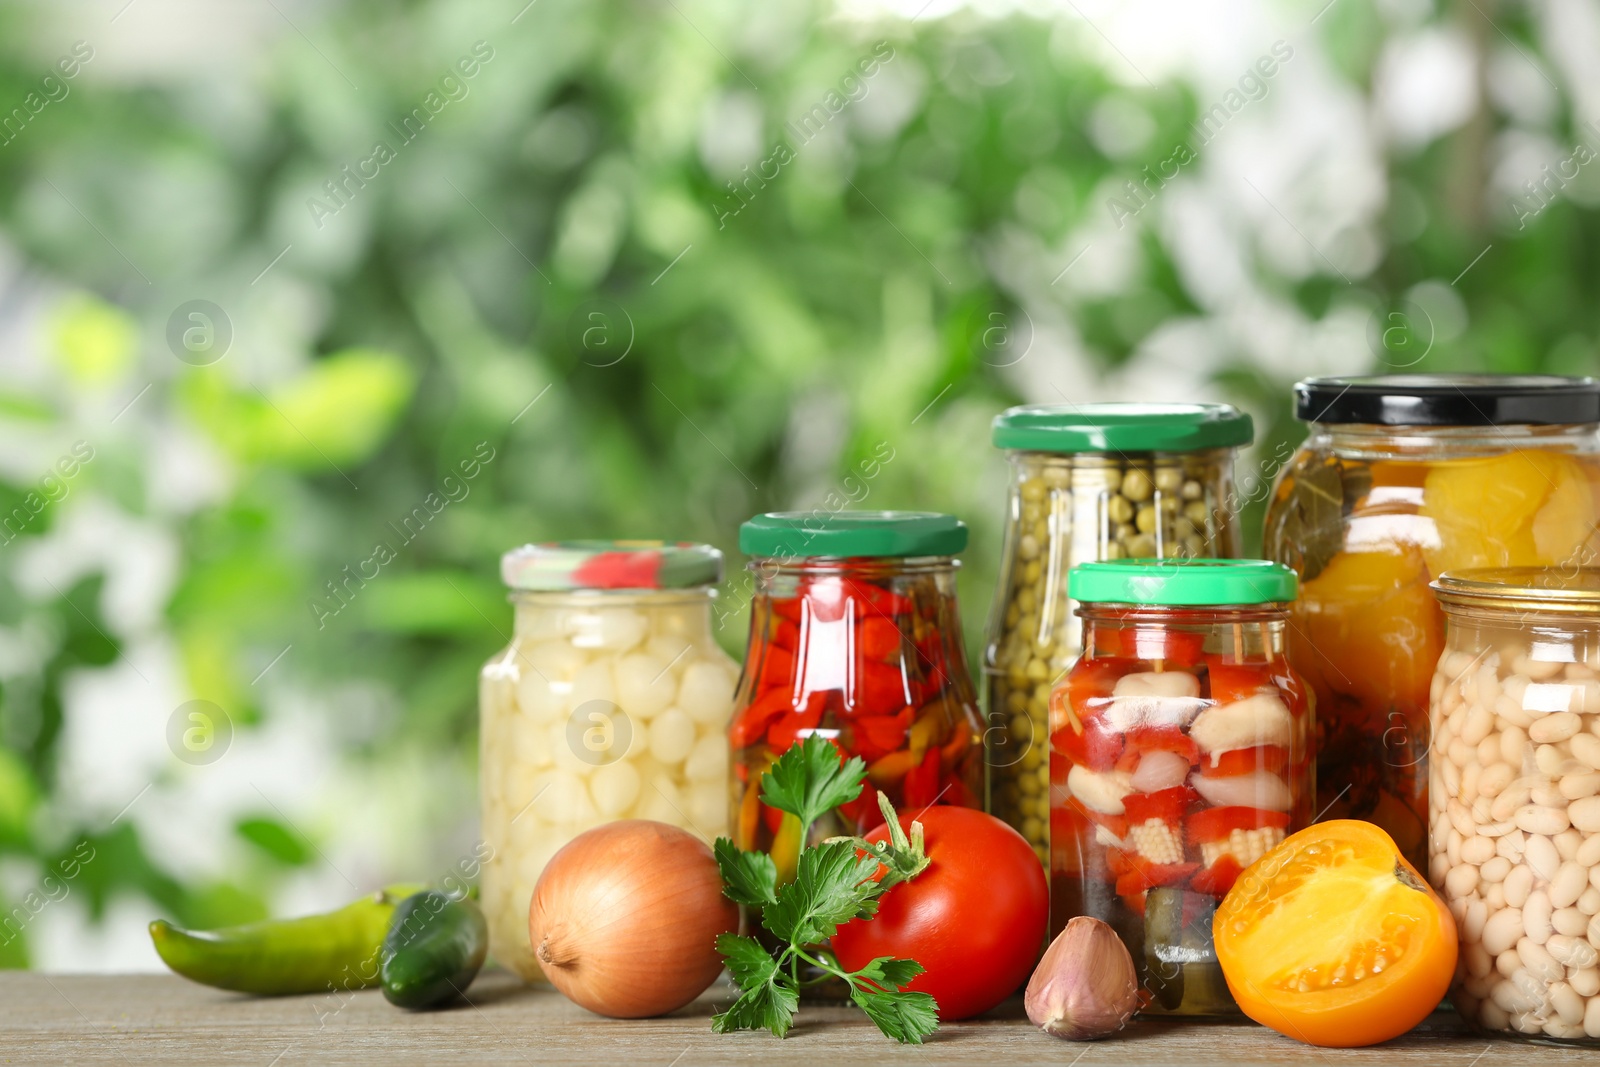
[975,918]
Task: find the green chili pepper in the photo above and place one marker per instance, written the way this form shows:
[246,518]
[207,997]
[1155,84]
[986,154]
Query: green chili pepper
[314,954]
[435,947]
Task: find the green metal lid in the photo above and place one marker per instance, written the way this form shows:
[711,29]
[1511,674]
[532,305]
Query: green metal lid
[1122,427]
[563,566]
[1182,582]
[852,533]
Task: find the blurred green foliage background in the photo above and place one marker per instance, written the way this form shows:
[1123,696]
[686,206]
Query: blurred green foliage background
[668,264]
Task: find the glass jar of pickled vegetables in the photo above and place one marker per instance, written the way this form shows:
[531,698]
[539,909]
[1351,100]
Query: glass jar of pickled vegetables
[1402,479]
[1179,755]
[854,635]
[610,702]
[1514,796]
[1088,482]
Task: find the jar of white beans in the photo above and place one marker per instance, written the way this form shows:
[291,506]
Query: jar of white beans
[610,702]
[1514,796]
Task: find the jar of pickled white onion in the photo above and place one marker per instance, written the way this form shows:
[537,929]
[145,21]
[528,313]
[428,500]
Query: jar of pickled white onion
[610,702]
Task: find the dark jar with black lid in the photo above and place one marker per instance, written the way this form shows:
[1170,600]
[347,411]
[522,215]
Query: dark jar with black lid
[1402,478]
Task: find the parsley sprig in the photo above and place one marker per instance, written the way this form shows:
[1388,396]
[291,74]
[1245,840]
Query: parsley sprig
[833,884]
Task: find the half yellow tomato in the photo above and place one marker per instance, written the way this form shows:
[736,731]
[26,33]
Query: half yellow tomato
[1334,939]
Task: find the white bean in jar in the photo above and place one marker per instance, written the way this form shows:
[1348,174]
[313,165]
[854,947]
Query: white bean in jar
[1517,857]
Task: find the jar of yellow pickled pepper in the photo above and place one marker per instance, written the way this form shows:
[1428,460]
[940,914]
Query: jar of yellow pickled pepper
[610,702]
[1088,482]
[1402,478]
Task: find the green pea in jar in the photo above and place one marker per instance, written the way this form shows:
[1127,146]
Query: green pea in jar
[1088,482]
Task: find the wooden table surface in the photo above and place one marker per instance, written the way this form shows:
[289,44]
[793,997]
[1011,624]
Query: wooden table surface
[165,1019]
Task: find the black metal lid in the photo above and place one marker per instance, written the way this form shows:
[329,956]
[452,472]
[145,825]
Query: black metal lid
[1449,400]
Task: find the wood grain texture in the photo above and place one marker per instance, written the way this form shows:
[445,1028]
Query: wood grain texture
[164,1019]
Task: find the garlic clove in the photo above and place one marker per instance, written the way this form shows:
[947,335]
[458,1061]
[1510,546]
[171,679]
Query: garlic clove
[1157,684]
[1154,698]
[1100,791]
[1159,770]
[1085,987]
[1259,720]
[1259,789]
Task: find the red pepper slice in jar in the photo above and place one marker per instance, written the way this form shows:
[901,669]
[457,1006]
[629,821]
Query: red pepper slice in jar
[876,737]
[882,689]
[788,729]
[1095,747]
[1144,739]
[922,781]
[869,598]
[1215,824]
[776,670]
[878,638]
[1147,875]
[1178,648]
[751,724]
[1234,762]
[1231,682]
[1212,832]
[785,634]
[1168,805]
[1218,878]
[1087,687]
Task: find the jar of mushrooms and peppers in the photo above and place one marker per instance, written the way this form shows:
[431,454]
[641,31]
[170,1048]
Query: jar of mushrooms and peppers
[1180,749]
[1088,482]
[854,636]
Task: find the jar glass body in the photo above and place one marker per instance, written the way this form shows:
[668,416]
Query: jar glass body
[866,652]
[1514,837]
[1063,509]
[1179,755]
[1368,516]
[605,705]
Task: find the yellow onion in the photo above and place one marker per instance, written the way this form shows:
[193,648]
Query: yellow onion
[625,919]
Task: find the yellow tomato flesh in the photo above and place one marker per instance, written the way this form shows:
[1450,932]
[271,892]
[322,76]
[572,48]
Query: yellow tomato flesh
[1332,938]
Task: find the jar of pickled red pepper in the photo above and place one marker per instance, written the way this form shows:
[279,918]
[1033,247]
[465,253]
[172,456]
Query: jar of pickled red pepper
[854,635]
[1179,755]
[1403,478]
[1088,482]
[610,702]
[1514,794]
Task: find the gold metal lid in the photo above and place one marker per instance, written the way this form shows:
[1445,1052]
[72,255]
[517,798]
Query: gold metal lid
[1563,589]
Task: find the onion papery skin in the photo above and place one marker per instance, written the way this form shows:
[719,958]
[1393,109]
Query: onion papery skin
[625,918]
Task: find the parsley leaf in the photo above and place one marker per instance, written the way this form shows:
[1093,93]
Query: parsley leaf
[768,1006]
[906,1017]
[886,972]
[749,878]
[831,886]
[748,960]
[810,780]
[767,1000]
